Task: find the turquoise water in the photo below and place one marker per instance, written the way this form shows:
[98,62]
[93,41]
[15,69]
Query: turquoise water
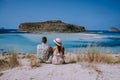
[27,42]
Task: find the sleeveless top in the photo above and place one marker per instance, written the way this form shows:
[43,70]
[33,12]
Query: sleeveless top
[57,56]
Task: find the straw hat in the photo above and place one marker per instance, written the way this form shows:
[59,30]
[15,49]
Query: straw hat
[58,41]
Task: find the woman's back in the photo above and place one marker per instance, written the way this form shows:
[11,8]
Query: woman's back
[58,54]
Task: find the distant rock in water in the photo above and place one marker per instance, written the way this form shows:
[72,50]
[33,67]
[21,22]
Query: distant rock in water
[114,29]
[50,26]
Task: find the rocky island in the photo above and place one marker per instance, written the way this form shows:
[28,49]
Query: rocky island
[114,29]
[50,26]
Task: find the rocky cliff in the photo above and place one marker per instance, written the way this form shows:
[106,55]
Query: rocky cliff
[50,26]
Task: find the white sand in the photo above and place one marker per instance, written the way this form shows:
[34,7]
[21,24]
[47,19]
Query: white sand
[110,72]
[76,71]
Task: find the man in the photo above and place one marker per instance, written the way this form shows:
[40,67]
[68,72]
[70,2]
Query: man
[44,51]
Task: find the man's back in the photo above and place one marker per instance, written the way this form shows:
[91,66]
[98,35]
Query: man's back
[43,52]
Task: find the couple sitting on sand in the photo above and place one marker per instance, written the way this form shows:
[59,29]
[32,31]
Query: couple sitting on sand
[47,54]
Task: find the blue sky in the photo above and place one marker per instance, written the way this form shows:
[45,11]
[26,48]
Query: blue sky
[92,14]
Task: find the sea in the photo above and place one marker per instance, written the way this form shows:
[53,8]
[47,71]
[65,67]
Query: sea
[24,42]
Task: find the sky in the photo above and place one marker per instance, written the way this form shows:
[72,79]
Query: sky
[92,14]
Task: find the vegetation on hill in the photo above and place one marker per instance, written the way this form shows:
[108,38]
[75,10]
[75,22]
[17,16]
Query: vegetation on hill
[50,26]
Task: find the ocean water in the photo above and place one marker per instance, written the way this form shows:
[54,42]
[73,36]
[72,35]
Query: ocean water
[27,42]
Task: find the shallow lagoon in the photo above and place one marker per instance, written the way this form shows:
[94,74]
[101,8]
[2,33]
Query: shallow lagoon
[27,42]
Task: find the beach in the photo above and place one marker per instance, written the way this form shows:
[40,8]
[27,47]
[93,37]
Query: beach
[82,36]
[74,71]
[99,61]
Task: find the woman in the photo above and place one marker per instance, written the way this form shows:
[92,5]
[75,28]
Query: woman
[58,52]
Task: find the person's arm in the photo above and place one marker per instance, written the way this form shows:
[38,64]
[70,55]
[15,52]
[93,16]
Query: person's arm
[50,51]
[38,51]
[53,49]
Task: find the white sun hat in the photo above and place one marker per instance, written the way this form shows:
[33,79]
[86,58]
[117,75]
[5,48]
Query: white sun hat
[58,41]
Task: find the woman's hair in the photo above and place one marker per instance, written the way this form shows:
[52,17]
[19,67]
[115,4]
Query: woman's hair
[59,48]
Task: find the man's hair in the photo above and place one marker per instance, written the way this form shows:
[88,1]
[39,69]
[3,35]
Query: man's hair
[44,39]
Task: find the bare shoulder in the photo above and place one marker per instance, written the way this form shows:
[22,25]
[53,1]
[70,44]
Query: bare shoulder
[54,48]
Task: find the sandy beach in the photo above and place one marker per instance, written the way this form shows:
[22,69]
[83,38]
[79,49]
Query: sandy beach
[82,36]
[72,71]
